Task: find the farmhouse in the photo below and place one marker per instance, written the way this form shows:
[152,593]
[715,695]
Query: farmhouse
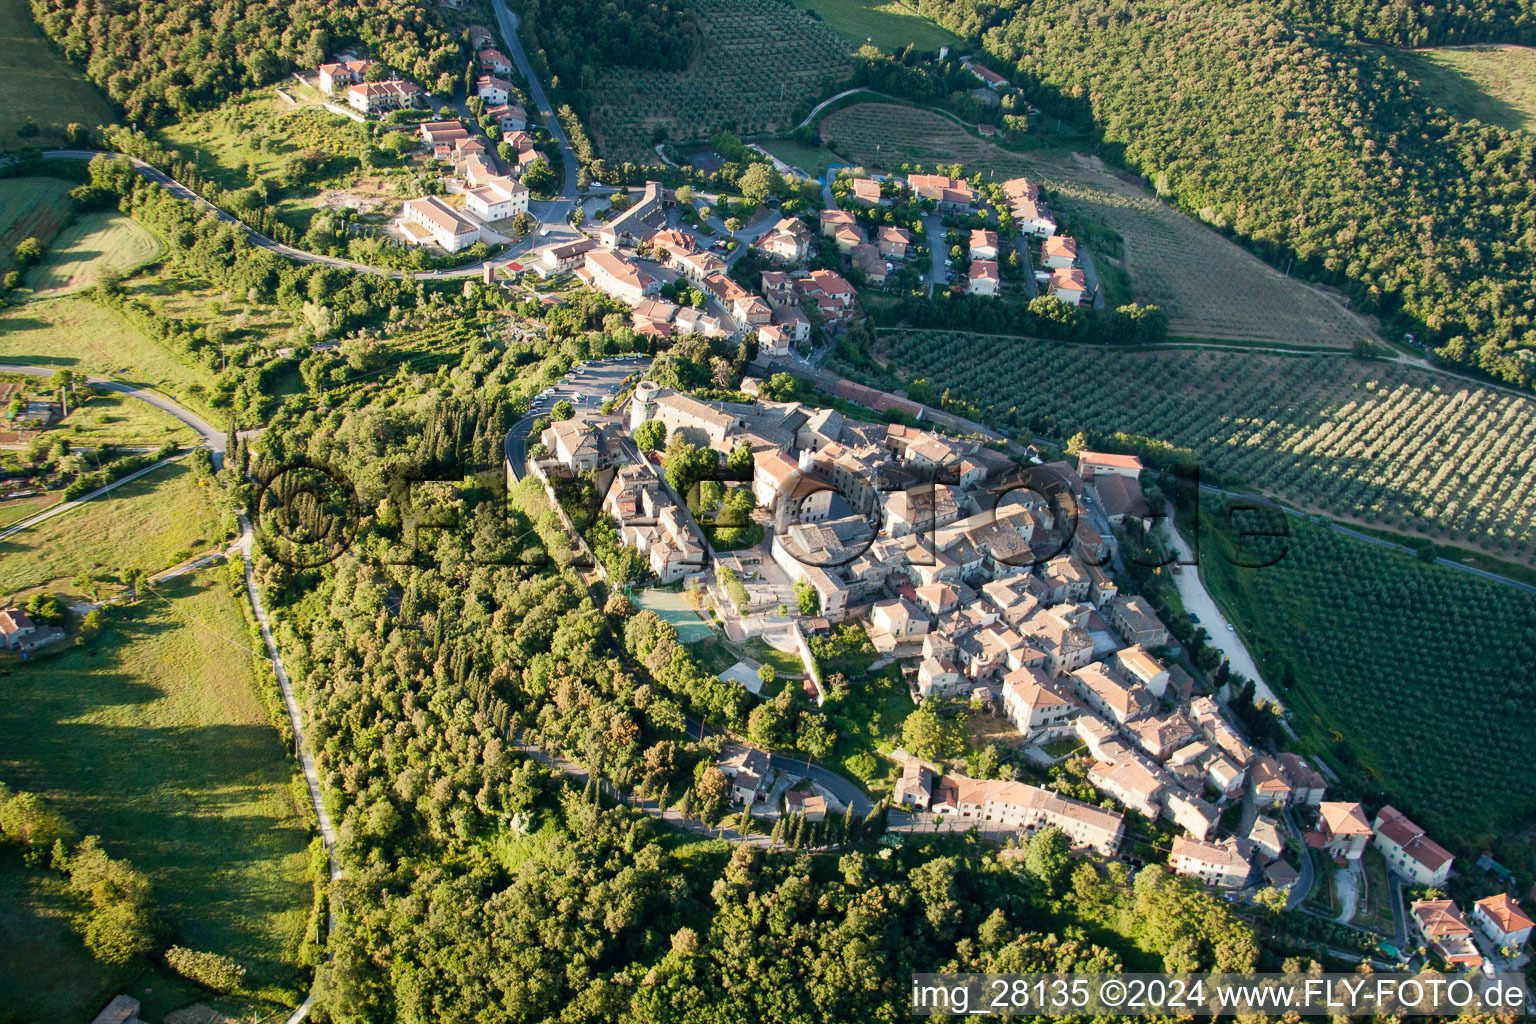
[1408,850]
[373,97]
[497,199]
[989,78]
[448,229]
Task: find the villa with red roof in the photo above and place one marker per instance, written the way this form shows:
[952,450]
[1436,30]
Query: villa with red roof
[1503,921]
[1342,830]
[1446,931]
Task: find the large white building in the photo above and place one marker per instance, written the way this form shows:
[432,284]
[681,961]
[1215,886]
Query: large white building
[448,229]
[498,198]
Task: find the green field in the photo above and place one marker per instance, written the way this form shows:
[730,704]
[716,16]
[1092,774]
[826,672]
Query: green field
[94,243]
[1349,632]
[1387,446]
[1496,84]
[1171,259]
[77,334]
[146,523]
[30,207]
[154,737]
[36,82]
[760,62]
[888,24]
[113,418]
[813,160]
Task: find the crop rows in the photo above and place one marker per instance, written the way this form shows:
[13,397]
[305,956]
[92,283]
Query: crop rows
[759,61]
[1424,653]
[1385,445]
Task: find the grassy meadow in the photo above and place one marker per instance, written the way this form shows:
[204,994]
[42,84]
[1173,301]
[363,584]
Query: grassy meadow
[889,24]
[37,83]
[95,243]
[1496,84]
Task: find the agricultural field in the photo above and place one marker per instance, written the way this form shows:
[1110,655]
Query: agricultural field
[75,333]
[37,83]
[154,737]
[95,243]
[889,24]
[150,523]
[1172,260]
[31,207]
[1386,445]
[760,61]
[1352,632]
[1496,84]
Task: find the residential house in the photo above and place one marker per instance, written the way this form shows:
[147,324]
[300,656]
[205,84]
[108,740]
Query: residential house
[996,805]
[915,787]
[1216,864]
[1131,782]
[1266,837]
[377,97]
[1059,252]
[1503,921]
[619,276]
[1408,850]
[983,277]
[340,74]
[1034,705]
[1069,286]
[1119,702]
[833,295]
[750,775]
[865,191]
[833,220]
[983,244]
[435,133]
[498,198]
[787,241]
[1093,464]
[493,91]
[989,78]
[1193,814]
[951,194]
[893,242]
[494,62]
[1137,664]
[789,319]
[1032,217]
[867,259]
[509,117]
[16,629]
[1135,620]
[1446,931]
[434,219]
[1342,830]
[555,259]
[812,806]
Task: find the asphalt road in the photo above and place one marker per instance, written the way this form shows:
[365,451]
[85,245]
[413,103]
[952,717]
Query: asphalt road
[561,209]
[214,439]
[585,387]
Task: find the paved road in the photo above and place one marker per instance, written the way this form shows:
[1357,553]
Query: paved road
[585,387]
[1091,276]
[508,22]
[214,439]
[938,252]
[1306,874]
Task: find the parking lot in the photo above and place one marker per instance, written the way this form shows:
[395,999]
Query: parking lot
[590,384]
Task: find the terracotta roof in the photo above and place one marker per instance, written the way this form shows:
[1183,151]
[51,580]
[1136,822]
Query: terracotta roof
[1085,459]
[983,270]
[1393,824]
[1344,819]
[1061,245]
[1505,913]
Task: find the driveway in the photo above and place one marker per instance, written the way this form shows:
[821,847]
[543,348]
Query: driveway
[938,272]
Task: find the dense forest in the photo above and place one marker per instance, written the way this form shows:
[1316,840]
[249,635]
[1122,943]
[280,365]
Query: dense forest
[1316,152]
[580,38]
[1396,23]
[159,60]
